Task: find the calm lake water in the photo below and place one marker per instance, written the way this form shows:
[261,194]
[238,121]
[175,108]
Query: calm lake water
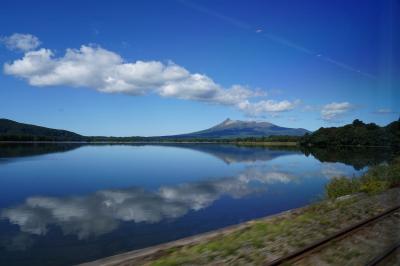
[62,204]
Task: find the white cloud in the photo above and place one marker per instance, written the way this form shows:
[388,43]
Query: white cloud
[331,170]
[105,71]
[21,42]
[334,111]
[267,106]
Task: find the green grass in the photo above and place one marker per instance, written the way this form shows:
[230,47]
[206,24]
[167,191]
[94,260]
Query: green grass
[340,186]
[377,179]
[351,254]
[255,237]
[250,244]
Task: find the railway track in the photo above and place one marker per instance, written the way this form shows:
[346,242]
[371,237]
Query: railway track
[386,254]
[318,245]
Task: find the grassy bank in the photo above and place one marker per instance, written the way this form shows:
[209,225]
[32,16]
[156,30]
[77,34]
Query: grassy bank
[257,242]
[377,179]
[265,240]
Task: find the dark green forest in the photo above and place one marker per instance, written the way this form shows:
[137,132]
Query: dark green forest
[14,131]
[356,134]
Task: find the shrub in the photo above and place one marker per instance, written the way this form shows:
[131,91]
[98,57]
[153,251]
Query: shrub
[394,173]
[372,186]
[340,186]
[377,179]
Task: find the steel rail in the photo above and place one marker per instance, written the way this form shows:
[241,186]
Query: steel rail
[298,254]
[383,255]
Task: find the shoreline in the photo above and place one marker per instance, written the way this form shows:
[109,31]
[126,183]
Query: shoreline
[250,144]
[190,240]
[156,142]
[301,226]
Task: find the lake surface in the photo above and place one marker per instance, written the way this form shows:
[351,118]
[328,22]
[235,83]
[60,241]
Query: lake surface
[62,204]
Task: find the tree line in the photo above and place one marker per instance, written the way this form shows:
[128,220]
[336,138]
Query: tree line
[356,134]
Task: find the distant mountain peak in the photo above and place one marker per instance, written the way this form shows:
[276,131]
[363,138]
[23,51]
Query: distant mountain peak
[230,128]
[229,121]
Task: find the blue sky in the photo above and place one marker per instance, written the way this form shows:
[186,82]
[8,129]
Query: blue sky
[167,67]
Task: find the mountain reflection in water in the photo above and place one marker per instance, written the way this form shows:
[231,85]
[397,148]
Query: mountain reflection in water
[80,202]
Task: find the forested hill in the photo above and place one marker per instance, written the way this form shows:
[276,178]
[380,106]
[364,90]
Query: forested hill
[11,130]
[357,133]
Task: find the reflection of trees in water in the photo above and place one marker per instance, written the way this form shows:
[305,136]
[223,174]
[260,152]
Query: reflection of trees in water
[357,157]
[31,149]
[227,152]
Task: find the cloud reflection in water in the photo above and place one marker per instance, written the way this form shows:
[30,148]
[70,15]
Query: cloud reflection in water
[102,211]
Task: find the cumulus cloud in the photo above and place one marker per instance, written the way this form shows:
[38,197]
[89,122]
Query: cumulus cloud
[21,42]
[268,106]
[102,212]
[334,111]
[105,71]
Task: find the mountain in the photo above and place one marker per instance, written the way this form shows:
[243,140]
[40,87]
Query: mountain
[14,131]
[11,130]
[237,128]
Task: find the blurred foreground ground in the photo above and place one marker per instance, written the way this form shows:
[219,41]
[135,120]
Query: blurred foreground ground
[262,241]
